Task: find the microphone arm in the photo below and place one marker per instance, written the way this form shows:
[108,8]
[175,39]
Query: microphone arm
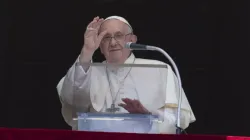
[153,48]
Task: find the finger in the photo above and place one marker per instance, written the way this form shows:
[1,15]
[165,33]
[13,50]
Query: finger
[95,24]
[127,101]
[122,105]
[131,105]
[129,109]
[125,106]
[124,100]
[90,25]
[134,103]
[100,36]
[99,23]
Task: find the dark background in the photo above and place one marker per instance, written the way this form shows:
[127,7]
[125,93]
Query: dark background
[41,40]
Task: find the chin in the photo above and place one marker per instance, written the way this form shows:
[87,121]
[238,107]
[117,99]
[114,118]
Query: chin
[115,57]
[115,54]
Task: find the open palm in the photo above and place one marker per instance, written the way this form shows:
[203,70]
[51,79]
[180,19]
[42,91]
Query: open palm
[91,38]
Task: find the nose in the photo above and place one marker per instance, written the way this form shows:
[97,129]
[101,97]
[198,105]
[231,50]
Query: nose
[113,42]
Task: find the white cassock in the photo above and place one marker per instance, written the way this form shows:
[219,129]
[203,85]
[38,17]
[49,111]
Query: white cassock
[93,92]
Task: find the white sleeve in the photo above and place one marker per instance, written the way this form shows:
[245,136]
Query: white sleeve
[171,106]
[74,92]
[168,126]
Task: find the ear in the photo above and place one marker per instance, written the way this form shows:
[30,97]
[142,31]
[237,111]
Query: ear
[133,39]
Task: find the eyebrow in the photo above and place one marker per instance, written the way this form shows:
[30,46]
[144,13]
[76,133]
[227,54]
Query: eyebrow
[117,32]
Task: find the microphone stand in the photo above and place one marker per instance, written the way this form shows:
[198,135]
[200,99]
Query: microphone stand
[153,48]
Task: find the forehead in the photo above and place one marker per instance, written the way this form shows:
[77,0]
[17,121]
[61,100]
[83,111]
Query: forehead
[113,25]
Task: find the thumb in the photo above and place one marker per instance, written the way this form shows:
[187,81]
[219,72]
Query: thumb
[100,36]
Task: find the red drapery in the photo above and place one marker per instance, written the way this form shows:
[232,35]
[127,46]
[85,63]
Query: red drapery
[41,134]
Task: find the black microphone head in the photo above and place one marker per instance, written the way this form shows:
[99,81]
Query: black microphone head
[127,45]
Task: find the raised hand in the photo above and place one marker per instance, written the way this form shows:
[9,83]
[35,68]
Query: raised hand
[92,39]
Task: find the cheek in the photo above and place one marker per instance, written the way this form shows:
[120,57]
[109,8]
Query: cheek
[103,49]
[126,51]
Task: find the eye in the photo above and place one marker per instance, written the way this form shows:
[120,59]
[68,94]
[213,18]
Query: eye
[118,35]
[107,36]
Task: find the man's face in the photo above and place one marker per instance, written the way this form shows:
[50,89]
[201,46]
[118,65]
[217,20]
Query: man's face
[113,42]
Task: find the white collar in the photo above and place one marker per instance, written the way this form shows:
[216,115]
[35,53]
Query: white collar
[130,59]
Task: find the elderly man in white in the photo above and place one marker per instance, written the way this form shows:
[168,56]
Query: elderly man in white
[98,88]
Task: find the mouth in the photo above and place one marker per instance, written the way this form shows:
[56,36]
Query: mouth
[113,50]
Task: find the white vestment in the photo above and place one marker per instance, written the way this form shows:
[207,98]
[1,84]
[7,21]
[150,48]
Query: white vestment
[93,93]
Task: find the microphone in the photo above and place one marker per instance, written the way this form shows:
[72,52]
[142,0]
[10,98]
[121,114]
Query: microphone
[134,46]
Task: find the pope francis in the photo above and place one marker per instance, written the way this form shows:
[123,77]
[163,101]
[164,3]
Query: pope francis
[120,90]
